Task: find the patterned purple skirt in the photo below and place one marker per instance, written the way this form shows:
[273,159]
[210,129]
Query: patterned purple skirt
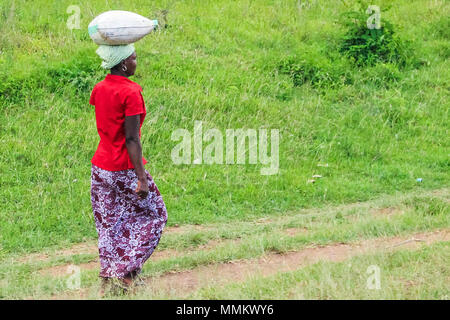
[129,229]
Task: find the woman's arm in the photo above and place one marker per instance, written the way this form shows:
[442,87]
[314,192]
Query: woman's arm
[133,144]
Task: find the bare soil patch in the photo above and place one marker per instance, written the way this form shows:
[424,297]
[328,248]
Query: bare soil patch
[89,247]
[292,232]
[387,212]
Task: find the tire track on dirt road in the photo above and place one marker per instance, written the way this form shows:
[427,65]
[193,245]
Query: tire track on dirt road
[90,247]
[186,282]
[183,283]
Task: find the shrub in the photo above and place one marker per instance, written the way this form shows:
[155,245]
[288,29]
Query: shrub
[368,46]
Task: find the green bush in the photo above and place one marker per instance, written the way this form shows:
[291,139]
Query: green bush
[368,46]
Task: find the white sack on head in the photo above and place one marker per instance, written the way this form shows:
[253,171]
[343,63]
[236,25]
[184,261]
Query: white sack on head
[118,27]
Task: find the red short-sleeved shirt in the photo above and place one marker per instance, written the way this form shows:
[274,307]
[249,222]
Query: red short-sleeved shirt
[114,98]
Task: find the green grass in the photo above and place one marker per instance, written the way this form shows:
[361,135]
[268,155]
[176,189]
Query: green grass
[379,128]
[245,240]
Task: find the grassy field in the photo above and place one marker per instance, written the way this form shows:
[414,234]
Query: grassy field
[230,64]
[196,254]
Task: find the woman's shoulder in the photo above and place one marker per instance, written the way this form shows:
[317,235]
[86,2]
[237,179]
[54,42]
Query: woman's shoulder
[130,89]
[124,87]
[134,85]
[98,85]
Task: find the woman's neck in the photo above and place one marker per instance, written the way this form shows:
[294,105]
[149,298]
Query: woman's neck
[119,73]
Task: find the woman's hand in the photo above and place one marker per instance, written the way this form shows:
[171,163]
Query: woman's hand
[142,189]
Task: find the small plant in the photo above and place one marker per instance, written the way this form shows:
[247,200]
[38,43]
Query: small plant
[368,45]
[80,80]
[302,71]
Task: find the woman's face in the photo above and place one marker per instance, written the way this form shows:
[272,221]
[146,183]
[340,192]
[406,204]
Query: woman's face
[131,63]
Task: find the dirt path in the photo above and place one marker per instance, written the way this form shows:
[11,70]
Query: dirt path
[90,247]
[184,283]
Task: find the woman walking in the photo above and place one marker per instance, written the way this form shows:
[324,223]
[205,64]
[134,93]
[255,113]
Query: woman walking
[129,211]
